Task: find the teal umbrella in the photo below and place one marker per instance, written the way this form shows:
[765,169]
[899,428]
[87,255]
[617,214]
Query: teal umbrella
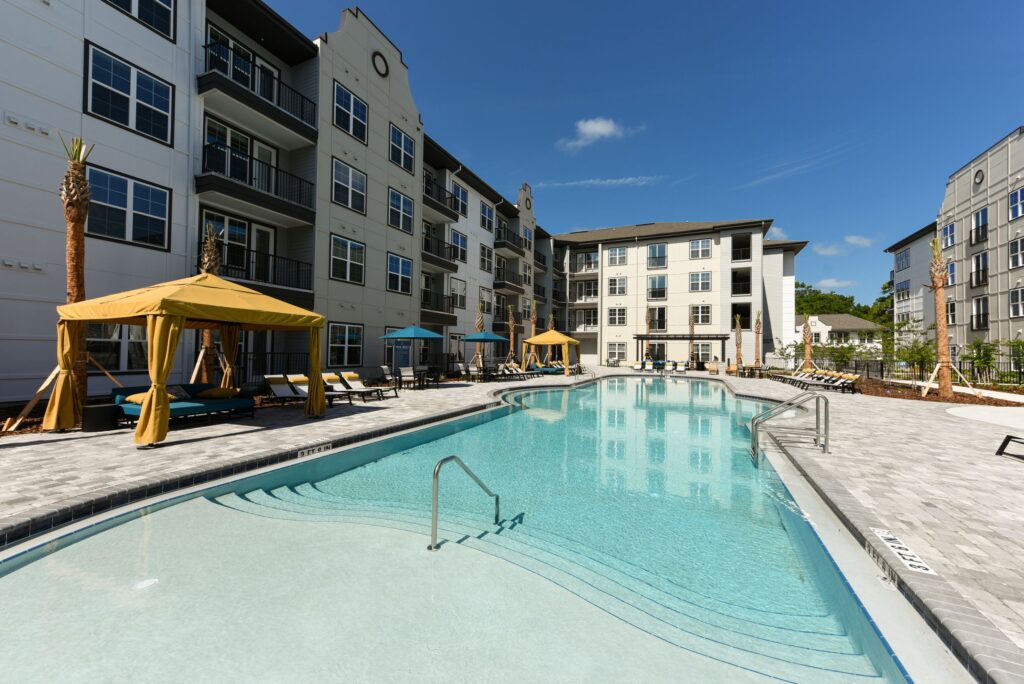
[410,333]
[486,336]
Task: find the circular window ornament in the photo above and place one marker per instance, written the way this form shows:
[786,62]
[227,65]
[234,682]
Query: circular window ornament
[529,203]
[979,176]
[380,64]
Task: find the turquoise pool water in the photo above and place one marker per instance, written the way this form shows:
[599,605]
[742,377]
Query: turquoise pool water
[636,495]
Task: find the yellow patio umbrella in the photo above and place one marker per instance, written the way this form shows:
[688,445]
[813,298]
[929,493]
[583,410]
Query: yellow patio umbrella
[555,338]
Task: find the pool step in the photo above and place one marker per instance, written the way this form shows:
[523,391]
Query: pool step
[693,631]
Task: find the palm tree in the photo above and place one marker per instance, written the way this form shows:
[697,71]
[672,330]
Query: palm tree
[807,344]
[74,193]
[739,342]
[938,273]
[757,340]
[209,263]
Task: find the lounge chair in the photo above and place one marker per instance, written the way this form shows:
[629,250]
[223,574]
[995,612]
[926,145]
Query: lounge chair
[474,372]
[506,373]
[301,385]
[388,377]
[679,368]
[638,366]
[281,389]
[356,385]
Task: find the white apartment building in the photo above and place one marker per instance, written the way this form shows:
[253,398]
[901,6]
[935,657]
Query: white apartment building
[841,329]
[913,301]
[632,289]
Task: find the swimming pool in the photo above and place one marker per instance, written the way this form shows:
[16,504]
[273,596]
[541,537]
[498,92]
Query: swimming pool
[633,495]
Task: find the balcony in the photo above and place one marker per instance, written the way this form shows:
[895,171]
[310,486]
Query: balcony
[559,296]
[583,264]
[585,328]
[584,298]
[243,183]
[506,239]
[508,280]
[437,308]
[239,263]
[540,261]
[253,97]
[540,292]
[979,234]
[437,198]
[979,321]
[741,254]
[501,321]
[439,253]
[741,288]
[979,277]
[558,264]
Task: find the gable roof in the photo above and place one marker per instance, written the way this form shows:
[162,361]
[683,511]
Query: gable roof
[847,322]
[643,231]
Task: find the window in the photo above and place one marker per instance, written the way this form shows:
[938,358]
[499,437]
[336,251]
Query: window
[903,259]
[399,210]
[950,313]
[902,291]
[656,256]
[1016,203]
[349,187]
[743,311]
[117,347]
[656,288]
[460,244]
[702,350]
[979,268]
[344,344]
[700,281]
[839,337]
[657,351]
[350,113]
[399,274]
[527,238]
[616,351]
[584,261]
[617,286]
[586,319]
[980,226]
[1017,302]
[701,314]
[457,289]
[616,256]
[657,317]
[127,96]
[948,239]
[486,258]
[700,249]
[461,197]
[979,313]
[1017,253]
[486,217]
[487,299]
[815,338]
[156,14]
[348,259]
[586,290]
[126,209]
[403,149]
[527,274]
[951,273]
[617,316]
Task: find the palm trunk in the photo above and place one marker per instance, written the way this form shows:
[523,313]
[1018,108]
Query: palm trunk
[937,272]
[209,263]
[74,194]
[739,342]
[807,344]
[757,340]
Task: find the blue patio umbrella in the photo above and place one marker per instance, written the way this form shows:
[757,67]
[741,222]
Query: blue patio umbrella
[410,333]
[483,337]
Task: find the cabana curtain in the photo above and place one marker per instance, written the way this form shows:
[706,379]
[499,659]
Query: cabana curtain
[65,410]
[162,335]
[554,338]
[229,335]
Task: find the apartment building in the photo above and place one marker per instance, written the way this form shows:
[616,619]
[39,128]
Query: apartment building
[633,289]
[913,301]
[981,229]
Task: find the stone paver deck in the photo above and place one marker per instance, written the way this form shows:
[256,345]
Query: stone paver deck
[927,475]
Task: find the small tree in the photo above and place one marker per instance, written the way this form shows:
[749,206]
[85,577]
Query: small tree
[982,356]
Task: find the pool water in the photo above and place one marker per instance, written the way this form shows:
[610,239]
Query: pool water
[637,495]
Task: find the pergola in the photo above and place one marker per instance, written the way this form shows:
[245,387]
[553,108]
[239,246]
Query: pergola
[676,337]
[199,302]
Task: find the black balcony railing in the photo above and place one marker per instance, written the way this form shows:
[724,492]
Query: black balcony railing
[979,277]
[225,161]
[741,254]
[438,247]
[540,291]
[740,288]
[240,263]
[979,321]
[436,192]
[540,259]
[239,67]
[506,235]
[504,275]
[501,318]
[558,296]
[437,301]
[979,234]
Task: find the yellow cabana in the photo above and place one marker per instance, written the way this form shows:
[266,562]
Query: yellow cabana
[553,338]
[202,301]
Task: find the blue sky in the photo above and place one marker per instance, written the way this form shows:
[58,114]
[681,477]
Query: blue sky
[841,121]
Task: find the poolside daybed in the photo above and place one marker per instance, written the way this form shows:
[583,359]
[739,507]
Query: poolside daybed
[193,405]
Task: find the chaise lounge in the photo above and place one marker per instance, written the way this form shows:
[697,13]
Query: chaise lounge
[189,400]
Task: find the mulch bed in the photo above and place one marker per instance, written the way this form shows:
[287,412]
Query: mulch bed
[877,388]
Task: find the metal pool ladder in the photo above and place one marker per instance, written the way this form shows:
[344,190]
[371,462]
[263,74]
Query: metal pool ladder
[437,473]
[821,422]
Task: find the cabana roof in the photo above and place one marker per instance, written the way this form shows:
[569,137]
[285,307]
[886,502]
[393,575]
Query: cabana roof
[551,338]
[205,301]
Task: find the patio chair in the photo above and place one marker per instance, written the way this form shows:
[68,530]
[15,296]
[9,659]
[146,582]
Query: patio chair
[301,385]
[407,375]
[638,366]
[506,373]
[356,386]
[679,368]
[281,389]
[475,372]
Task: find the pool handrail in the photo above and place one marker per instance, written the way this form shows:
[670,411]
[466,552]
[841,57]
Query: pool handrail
[434,546]
[821,437]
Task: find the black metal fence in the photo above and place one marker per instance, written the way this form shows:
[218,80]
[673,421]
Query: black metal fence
[252,366]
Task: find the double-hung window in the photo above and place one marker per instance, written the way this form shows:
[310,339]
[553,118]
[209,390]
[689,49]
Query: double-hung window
[127,96]
[951,273]
[460,246]
[979,226]
[616,351]
[349,187]
[701,314]
[979,269]
[399,210]
[487,299]
[457,288]
[156,14]
[657,318]
[902,291]
[656,288]
[486,258]
[486,216]
[399,274]
[979,313]
[126,209]
[656,256]
[344,344]
[1016,204]
[586,291]
[1017,253]
[616,256]
[527,238]
[117,347]
[700,281]
[617,316]
[348,259]
[1017,302]
[350,113]
[951,313]
[403,149]
[461,198]
[617,286]
[948,239]
[903,258]
[700,249]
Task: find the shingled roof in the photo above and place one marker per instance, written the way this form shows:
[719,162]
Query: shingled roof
[847,322]
[643,231]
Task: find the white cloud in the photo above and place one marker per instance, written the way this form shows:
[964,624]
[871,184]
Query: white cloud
[827,250]
[776,233]
[623,182]
[834,284]
[589,131]
[857,240]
